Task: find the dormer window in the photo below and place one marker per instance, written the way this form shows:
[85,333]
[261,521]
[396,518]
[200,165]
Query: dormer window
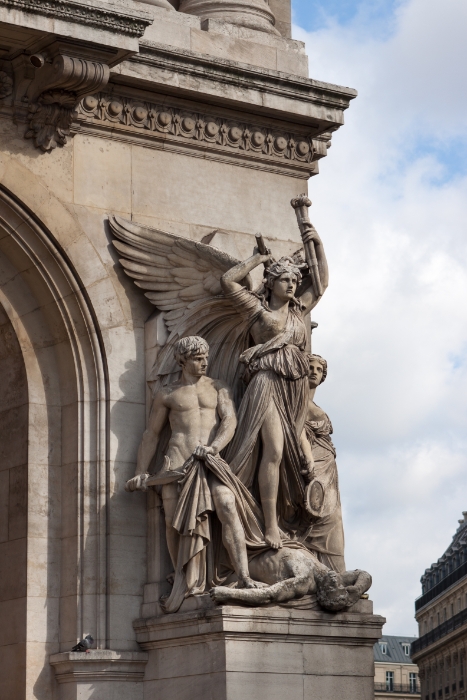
[383,647]
[406,648]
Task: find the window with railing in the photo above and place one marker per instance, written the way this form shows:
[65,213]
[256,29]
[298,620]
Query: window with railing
[413,682]
[396,688]
[440,631]
[440,585]
[389,680]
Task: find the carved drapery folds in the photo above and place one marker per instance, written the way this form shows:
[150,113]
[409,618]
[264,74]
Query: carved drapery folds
[54,94]
[254,14]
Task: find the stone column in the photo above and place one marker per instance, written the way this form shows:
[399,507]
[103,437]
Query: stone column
[254,14]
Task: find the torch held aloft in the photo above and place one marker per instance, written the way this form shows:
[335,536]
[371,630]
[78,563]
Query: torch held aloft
[301,204]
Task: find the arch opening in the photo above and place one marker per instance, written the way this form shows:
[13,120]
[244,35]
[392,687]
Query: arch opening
[51,346]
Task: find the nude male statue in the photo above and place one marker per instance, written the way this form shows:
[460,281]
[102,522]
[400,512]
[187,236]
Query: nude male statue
[202,418]
[293,573]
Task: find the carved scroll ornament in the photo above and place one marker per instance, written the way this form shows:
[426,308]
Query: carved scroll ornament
[54,95]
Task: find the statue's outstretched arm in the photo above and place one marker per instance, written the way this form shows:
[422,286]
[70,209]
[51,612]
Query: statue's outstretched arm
[308,297]
[230,280]
[356,582]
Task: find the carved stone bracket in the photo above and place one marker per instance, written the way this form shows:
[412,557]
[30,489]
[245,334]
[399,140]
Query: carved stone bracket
[58,84]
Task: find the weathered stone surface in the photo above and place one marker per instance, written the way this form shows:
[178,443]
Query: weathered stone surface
[255,14]
[233,653]
[110,674]
[79,338]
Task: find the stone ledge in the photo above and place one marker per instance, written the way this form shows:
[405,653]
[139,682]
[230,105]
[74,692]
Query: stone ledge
[358,627]
[94,13]
[163,68]
[210,133]
[99,665]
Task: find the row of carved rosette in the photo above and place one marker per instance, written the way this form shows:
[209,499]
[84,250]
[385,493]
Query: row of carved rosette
[163,121]
[51,113]
[55,90]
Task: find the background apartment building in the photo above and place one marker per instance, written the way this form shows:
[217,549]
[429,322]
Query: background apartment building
[396,676]
[441,613]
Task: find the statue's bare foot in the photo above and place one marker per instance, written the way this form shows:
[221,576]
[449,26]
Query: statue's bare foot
[220,594]
[272,537]
[248,582]
[170,578]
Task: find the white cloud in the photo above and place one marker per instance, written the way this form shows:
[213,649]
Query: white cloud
[392,209]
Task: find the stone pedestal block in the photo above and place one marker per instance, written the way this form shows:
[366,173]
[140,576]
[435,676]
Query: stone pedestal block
[237,653]
[101,674]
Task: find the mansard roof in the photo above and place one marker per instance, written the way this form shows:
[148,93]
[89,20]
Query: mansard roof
[394,650]
[454,556]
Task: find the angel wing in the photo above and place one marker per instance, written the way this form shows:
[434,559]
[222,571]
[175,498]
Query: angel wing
[181,277]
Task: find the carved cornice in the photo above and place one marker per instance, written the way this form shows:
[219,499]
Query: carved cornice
[100,15]
[99,665]
[318,103]
[200,130]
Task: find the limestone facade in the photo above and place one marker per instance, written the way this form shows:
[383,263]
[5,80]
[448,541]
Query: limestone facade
[198,123]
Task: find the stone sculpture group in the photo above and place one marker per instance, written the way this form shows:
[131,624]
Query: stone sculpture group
[239,452]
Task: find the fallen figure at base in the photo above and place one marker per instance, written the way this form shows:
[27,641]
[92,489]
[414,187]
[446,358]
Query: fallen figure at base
[293,573]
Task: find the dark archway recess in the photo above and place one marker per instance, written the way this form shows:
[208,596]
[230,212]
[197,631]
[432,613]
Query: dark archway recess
[54,454]
[13,507]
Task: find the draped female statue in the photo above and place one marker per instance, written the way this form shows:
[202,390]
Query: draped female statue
[270,452]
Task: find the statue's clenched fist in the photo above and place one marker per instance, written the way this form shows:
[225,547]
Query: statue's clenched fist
[203,450]
[137,483]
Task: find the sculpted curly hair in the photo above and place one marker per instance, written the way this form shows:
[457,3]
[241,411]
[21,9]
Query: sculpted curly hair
[330,594]
[189,346]
[279,268]
[322,362]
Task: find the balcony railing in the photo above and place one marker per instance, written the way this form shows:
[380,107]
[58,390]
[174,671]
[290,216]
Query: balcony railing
[442,630]
[411,689]
[446,583]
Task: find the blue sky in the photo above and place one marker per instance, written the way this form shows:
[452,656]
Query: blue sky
[313,14]
[391,206]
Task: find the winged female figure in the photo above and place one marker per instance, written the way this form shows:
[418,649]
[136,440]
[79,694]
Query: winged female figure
[258,347]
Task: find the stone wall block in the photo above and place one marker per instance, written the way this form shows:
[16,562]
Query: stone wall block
[237,49]
[128,422]
[4,500]
[102,174]
[13,558]
[14,450]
